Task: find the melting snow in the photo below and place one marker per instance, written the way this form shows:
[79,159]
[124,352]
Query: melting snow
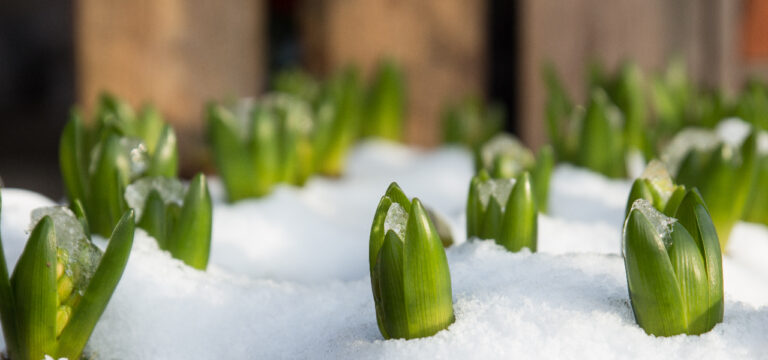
[289,277]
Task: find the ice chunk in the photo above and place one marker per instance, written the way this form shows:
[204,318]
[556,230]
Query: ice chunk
[137,154]
[294,111]
[499,189]
[396,220]
[170,190]
[77,252]
[656,172]
[506,145]
[688,139]
[733,131]
[661,223]
[134,148]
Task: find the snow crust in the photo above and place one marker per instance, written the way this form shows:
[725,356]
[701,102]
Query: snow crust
[289,277]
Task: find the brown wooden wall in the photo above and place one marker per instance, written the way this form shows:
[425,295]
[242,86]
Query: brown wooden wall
[177,54]
[439,43]
[570,34]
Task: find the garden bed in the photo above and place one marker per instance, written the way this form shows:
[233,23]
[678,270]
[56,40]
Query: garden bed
[288,276]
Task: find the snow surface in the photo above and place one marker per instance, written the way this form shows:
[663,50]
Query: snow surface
[289,277]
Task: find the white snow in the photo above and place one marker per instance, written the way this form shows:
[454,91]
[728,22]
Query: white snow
[289,277]
[171,191]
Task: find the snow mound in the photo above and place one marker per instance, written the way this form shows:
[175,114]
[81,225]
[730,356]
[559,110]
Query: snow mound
[288,277]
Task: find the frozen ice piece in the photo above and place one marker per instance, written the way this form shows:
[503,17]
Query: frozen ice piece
[396,220]
[170,190]
[499,189]
[79,255]
[661,223]
[506,145]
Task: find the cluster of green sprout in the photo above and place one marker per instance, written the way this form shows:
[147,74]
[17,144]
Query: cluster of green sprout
[61,284]
[613,130]
[128,160]
[121,172]
[301,128]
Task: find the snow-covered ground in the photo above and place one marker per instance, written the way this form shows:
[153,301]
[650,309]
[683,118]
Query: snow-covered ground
[288,277]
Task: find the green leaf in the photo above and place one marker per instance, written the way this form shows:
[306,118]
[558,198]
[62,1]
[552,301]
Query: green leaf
[165,158]
[397,195]
[519,226]
[230,155]
[640,190]
[674,200]
[266,153]
[693,215]
[7,307]
[190,240]
[490,227]
[72,158]
[541,175]
[153,219]
[80,214]
[96,296]
[107,185]
[377,231]
[474,209]
[653,288]
[427,280]
[151,128]
[601,149]
[386,104]
[691,278]
[33,284]
[390,281]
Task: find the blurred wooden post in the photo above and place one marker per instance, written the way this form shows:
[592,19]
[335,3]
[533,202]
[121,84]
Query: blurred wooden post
[440,44]
[177,54]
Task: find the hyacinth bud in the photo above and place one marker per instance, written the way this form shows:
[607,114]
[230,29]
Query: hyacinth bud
[97,163]
[656,186]
[503,210]
[385,105]
[601,140]
[179,219]
[410,278]
[674,268]
[505,157]
[60,286]
[724,174]
[471,122]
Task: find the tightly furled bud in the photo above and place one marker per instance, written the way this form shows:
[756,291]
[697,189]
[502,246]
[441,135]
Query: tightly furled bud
[503,210]
[673,267]
[410,278]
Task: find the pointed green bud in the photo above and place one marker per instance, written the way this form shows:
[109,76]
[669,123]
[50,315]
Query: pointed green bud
[602,148]
[673,268]
[232,160]
[504,210]
[541,174]
[190,239]
[656,186]
[410,279]
[385,108]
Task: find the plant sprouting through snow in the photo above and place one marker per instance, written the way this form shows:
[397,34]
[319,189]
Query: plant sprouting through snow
[80,255]
[661,223]
[170,190]
[498,188]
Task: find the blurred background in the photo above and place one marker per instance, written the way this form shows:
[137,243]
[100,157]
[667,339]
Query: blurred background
[179,54]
